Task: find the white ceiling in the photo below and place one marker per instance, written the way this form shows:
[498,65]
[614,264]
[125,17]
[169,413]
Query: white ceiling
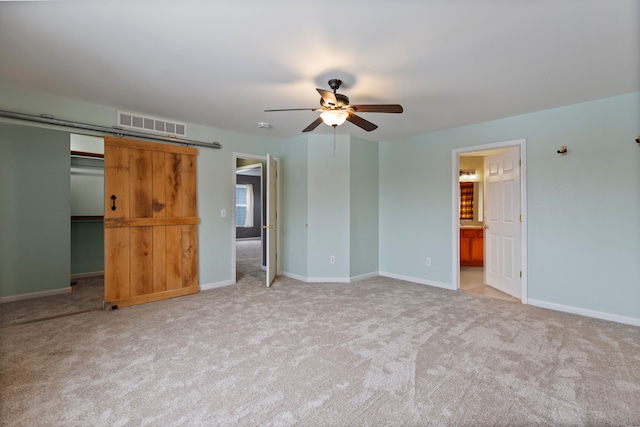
[221,63]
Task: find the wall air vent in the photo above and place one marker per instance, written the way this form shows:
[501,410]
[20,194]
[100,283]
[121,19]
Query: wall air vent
[151,124]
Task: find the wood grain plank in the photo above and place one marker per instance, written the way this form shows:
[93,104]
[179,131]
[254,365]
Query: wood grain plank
[141,256]
[174,257]
[149,222]
[116,271]
[189,255]
[189,194]
[140,183]
[156,146]
[159,259]
[173,177]
[126,302]
[159,191]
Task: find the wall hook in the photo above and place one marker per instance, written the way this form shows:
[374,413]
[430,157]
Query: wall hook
[563,150]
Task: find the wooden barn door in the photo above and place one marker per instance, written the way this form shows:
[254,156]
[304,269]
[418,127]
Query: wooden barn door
[151,234]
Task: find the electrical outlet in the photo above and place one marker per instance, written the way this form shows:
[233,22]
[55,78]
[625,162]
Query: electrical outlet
[429,262]
[332,259]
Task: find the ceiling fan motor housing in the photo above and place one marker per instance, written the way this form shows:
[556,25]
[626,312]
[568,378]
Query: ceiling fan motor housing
[343,101]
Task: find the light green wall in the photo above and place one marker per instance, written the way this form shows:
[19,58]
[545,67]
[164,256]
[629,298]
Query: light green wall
[35,210]
[293,218]
[415,205]
[216,170]
[335,192]
[584,233]
[583,208]
[363,173]
[87,247]
[328,207]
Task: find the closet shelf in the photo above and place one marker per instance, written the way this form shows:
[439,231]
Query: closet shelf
[87,218]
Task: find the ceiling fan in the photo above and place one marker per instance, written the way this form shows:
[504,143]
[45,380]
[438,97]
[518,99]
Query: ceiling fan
[336,109]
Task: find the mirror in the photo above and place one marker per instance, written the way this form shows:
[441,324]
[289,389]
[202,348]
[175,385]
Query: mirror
[471,206]
[471,190]
[467,201]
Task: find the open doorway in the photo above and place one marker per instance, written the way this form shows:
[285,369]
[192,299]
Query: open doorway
[250,245]
[489,232]
[87,222]
[269,222]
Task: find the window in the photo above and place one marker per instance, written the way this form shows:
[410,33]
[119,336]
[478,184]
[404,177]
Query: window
[244,205]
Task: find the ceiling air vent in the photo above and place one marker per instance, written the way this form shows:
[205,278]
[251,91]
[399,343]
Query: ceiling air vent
[151,124]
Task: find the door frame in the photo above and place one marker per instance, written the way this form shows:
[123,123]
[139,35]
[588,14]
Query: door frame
[237,156]
[455,207]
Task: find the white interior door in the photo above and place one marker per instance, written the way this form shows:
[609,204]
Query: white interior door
[271,219]
[502,222]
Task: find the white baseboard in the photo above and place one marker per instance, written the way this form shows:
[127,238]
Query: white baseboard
[419,281]
[585,312]
[293,276]
[86,275]
[329,279]
[31,295]
[215,285]
[364,276]
[315,279]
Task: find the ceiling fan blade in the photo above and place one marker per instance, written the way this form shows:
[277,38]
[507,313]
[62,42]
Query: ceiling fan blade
[377,108]
[360,122]
[328,96]
[295,109]
[313,125]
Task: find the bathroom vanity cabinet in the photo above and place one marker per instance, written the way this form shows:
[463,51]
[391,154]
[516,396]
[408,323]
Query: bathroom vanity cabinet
[472,246]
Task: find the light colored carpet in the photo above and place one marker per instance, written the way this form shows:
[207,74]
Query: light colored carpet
[87,294]
[375,352]
[249,262]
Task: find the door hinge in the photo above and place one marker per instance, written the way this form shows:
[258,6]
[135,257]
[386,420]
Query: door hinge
[521,274]
[520,162]
[520,218]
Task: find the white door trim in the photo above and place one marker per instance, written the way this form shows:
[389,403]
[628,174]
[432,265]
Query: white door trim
[455,207]
[236,156]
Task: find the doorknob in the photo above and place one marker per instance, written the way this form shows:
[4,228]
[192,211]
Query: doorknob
[486,226]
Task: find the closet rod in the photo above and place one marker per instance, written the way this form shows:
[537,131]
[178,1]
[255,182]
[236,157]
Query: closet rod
[115,131]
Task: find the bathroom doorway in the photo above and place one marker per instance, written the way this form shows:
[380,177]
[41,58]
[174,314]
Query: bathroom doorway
[489,236]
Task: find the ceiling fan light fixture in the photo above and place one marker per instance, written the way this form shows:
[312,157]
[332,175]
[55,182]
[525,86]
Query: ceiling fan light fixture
[334,117]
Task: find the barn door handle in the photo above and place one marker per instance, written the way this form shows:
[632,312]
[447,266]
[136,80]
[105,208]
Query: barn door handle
[113,202]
